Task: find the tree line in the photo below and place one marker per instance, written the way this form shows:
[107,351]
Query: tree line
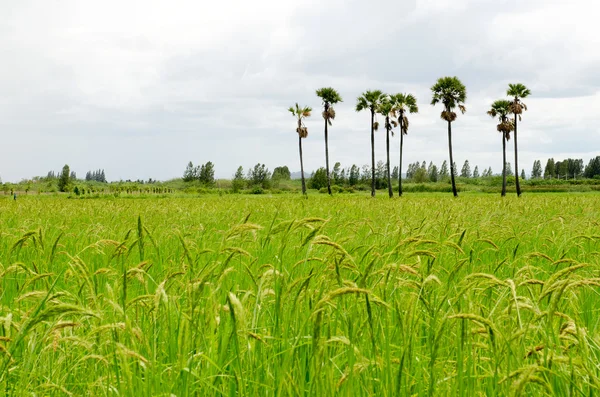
[449,92]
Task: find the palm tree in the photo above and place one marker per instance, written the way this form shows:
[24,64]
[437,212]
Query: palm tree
[451,93]
[371,100]
[501,108]
[403,104]
[301,114]
[330,97]
[517,92]
[386,109]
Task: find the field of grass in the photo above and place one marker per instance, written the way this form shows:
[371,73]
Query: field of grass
[257,295]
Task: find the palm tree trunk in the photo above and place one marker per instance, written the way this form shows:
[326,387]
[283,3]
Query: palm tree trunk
[451,159]
[503,165]
[387,144]
[372,153]
[517,162]
[327,152]
[301,165]
[401,120]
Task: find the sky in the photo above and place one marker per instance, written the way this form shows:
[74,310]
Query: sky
[140,88]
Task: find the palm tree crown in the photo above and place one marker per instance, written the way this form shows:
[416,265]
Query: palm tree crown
[517,91]
[301,114]
[501,109]
[404,103]
[452,93]
[329,95]
[369,100]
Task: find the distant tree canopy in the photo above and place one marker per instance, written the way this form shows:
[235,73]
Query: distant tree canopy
[97,176]
[204,174]
[592,170]
[281,173]
[259,176]
[318,179]
[64,181]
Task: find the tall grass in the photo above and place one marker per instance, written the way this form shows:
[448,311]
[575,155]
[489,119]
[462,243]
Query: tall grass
[240,295]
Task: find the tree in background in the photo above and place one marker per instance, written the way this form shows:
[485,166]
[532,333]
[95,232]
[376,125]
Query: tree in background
[354,175]
[403,104]
[238,181]
[509,171]
[318,179]
[517,92]
[281,173]
[523,174]
[465,172]
[452,94]
[395,172]
[301,114]
[432,172]
[386,109]
[259,176]
[371,100]
[64,181]
[549,169]
[189,174]
[592,170]
[330,97]
[338,174]
[476,172]
[207,174]
[536,171]
[501,108]
[73,176]
[443,174]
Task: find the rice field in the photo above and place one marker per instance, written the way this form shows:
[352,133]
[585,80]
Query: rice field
[283,296]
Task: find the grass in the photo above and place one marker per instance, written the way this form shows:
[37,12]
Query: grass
[346,295]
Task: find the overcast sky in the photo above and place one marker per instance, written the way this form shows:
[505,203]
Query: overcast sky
[140,88]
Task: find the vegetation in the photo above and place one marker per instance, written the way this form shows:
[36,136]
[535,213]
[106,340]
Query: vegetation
[452,94]
[500,109]
[371,100]
[283,296]
[301,114]
[403,104]
[517,92]
[330,97]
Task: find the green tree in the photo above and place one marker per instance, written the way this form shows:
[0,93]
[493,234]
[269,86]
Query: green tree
[259,176]
[476,172]
[465,172]
[188,174]
[281,173]
[452,94]
[536,172]
[64,181]
[354,175]
[549,169]
[403,104]
[593,168]
[523,174]
[501,109]
[301,114]
[371,100]
[432,172]
[318,179]
[330,97]
[338,174]
[207,174]
[386,109]
[443,174]
[509,171]
[517,92]
[238,181]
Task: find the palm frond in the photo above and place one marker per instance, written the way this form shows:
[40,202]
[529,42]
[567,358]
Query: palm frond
[329,95]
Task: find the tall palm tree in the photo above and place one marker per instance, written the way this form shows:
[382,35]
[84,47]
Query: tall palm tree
[330,97]
[301,114]
[371,100]
[386,109]
[403,104]
[517,92]
[501,109]
[451,93]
